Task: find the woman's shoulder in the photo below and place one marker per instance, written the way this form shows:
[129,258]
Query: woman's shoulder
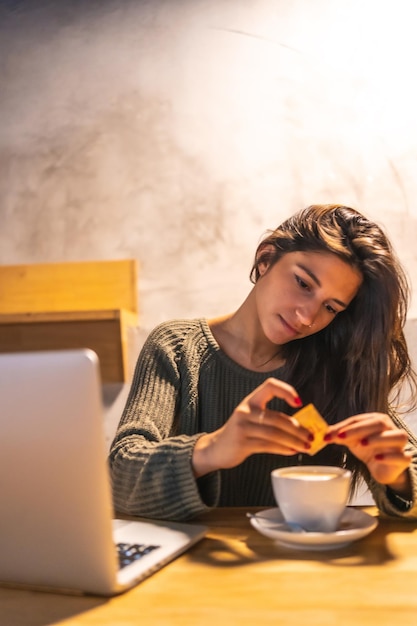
[178,331]
[185,340]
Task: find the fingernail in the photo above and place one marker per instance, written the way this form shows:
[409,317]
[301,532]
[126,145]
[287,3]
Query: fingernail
[327,437]
[311,437]
[379,457]
[341,435]
[298,401]
[364,441]
[307,446]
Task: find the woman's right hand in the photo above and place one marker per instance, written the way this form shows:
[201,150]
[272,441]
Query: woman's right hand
[251,429]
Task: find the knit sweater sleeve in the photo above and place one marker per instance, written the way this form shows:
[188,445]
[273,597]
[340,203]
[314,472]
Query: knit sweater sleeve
[150,457]
[385,501]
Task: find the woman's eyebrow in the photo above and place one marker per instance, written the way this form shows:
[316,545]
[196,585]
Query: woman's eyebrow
[318,283]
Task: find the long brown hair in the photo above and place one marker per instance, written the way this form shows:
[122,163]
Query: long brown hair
[358,362]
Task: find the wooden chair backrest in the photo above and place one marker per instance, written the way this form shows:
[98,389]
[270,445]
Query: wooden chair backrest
[69,286]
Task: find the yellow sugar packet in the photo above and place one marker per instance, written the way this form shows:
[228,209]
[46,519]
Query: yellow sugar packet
[311,419]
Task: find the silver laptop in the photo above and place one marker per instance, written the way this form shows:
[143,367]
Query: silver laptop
[57,529]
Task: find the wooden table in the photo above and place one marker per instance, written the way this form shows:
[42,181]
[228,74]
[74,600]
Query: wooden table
[237,576]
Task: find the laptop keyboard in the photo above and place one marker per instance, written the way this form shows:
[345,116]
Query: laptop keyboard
[129,552]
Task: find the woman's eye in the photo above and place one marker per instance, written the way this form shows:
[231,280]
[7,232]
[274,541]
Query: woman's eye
[301,282]
[331,309]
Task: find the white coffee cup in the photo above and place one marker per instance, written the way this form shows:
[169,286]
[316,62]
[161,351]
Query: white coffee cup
[313,496]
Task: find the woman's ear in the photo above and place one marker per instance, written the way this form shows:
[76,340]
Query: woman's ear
[264,255]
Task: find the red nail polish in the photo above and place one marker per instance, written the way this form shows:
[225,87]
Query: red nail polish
[341,435]
[307,446]
[379,457]
[298,401]
[311,437]
[327,437]
[364,441]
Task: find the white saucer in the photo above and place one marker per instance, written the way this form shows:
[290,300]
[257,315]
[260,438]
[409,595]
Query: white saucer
[354,525]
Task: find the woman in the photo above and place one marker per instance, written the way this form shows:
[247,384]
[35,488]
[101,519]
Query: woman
[209,411]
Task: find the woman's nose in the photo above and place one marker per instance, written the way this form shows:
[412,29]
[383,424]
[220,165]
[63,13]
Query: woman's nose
[307,315]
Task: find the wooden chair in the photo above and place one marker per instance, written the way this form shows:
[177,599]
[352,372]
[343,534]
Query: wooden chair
[87,304]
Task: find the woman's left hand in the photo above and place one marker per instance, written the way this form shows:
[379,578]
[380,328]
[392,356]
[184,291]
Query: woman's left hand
[379,443]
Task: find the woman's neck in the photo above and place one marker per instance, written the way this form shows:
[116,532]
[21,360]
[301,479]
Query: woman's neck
[240,336]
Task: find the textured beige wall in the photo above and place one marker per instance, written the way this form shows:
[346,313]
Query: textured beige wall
[178,131]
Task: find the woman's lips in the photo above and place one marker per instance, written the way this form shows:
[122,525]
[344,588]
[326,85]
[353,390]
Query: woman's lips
[290,329]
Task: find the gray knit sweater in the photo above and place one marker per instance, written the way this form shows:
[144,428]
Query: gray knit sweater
[184,385]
